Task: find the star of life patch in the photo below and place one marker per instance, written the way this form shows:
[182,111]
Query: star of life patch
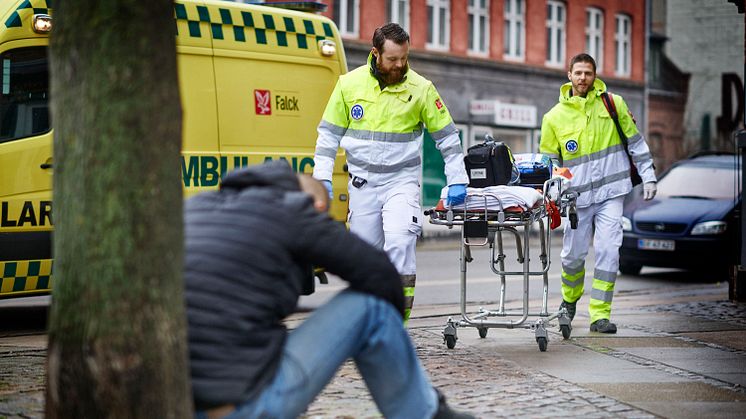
[357,112]
[571,146]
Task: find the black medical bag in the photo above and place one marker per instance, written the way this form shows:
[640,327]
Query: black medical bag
[490,164]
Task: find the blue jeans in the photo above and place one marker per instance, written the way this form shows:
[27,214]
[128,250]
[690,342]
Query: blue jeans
[351,325]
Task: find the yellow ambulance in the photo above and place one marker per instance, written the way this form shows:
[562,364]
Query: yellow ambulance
[254,81]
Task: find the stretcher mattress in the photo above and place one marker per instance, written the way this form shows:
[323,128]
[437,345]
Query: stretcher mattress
[514,197]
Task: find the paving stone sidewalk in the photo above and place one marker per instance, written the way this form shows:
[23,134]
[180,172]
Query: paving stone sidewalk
[481,383]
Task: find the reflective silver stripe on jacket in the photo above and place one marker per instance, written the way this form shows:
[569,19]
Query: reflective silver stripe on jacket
[595,156]
[444,132]
[388,137]
[637,158]
[601,182]
[605,296]
[333,129]
[455,149]
[325,151]
[384,168]
[633,140]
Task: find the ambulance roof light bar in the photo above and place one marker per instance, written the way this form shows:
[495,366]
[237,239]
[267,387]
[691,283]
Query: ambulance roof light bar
[301,6]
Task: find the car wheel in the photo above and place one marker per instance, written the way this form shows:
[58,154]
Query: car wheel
[630,268]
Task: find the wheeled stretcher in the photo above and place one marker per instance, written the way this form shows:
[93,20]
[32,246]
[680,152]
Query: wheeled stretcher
[484,218]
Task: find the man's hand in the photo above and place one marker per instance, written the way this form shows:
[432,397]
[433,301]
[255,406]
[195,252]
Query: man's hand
[648,190]
[456,194]
[328,185]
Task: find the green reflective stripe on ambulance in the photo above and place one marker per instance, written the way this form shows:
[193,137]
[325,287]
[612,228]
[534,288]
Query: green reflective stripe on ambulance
[226,23]
[25,276]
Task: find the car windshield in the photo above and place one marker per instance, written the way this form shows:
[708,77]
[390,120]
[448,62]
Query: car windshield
[705,182]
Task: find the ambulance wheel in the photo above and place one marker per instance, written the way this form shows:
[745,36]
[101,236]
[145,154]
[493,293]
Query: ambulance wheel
[542,341]
[450,341]
[630,268]
[565,329]
[482,332]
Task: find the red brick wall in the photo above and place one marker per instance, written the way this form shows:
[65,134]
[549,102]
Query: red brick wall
[496,32]
[536,32]
[459,27]
[372,16]
[417,23]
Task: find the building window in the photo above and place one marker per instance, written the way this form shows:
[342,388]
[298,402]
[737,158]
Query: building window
[478,26]
[623,40]
[555,33]
[515,33]
[347,17]
[438,18]
[399,12]
[594,35]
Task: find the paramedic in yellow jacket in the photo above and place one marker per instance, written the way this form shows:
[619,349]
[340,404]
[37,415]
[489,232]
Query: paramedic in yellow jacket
[579,133]
[377,113]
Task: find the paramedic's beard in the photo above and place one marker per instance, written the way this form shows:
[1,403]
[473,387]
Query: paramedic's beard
[393,75]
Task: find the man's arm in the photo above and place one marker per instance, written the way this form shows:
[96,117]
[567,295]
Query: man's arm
[324,242]
[548,143]
[332,127]
[439,123]
[637,147]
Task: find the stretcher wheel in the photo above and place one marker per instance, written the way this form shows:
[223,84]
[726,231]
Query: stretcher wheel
[482,332]
[542,341]
[450,341]
[565,329]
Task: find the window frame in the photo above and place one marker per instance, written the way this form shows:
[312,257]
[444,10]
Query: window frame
[341,11]
[556,28]
[594,36]
[441,6]
[474,12]
[515,45]
[393,13]
[623,65]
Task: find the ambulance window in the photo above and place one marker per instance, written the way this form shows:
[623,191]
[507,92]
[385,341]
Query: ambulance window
[24,95]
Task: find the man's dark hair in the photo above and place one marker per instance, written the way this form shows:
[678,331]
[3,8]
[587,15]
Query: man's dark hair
[390,31]
[582,58]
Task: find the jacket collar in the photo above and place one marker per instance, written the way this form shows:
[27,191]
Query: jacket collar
[566,92]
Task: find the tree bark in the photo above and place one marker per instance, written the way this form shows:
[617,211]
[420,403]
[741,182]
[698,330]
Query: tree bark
[117,329]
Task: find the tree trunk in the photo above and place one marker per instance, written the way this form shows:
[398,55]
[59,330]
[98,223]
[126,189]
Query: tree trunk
[117,329]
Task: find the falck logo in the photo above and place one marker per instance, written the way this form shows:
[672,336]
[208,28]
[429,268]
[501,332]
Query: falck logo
[261,102]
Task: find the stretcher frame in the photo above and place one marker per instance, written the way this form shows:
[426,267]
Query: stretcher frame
[483,226]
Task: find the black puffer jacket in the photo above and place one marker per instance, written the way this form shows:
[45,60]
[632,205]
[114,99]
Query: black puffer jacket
[249,247]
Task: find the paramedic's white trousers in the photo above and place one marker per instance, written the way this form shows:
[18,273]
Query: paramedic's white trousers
[606,218]
[388,217]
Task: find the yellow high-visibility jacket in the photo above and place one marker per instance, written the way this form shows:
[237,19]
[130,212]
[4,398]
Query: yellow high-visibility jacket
[580,133]
[381,130]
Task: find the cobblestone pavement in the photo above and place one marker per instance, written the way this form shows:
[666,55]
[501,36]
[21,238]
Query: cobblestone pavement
[481,383]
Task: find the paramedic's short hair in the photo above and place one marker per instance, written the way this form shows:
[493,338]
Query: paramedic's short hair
[582,58]
[391,31]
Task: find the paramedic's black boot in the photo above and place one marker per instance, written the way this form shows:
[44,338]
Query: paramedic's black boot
[570,308]
[603,326]
[445,412]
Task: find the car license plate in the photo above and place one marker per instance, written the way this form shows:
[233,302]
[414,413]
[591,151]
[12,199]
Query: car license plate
[653,244]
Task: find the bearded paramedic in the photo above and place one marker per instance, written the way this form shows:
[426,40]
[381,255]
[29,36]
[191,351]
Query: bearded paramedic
[377,113]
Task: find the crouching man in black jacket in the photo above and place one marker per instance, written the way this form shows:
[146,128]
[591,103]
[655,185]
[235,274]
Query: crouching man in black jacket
[249,248]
